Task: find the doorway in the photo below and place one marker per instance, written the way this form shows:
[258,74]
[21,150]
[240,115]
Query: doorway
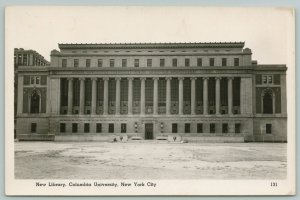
[149,131]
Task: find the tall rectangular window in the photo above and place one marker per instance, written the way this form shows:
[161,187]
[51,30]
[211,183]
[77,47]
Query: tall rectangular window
[161,62]
[136,62]
[224,128]
[62,127]
[88,62]
[111,62]
[76,62]
[174,62]
[149,62]
[174,128]
[111,128]
[187,62]
[187,127]
[211,62]
[99,128]
[74,127]
[100,62]
[64,62]
[33,127]
[199,128]
[124,62]
[237,128]
[86,128]
[269,128]
[123,128]
[236,61]
[212,128]
[224,62]
[199,62]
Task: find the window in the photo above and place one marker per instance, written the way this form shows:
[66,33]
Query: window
[88,62]
[35,80]
[199,62]
[111,62]
[74,127]
[64,62]
[174,128]
[99,128]
[124,62]
[267,79]
[136,62]
[211,62]
[24,59]
[162,62]
[187,128]
[62,127]
[123,128]
[100,62]
[76,62]
[33,127]
[199,128]
[149,62]
[86,128]
[174,62]
[237,128]
[224,128]
[111,128]
[236,61]
[269,128]
[224,62]
[187,62]
[212,128]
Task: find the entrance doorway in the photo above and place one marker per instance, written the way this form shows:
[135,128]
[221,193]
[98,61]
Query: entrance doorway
[149,131]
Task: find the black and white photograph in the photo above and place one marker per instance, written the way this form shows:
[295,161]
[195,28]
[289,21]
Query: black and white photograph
[150,100]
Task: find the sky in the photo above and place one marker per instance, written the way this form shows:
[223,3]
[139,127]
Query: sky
[267,31]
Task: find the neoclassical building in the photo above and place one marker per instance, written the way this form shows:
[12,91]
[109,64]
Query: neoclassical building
[155,91]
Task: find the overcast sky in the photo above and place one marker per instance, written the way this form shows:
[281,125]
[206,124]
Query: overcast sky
[268,32]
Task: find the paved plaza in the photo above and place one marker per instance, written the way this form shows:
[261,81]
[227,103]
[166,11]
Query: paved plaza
[149,160]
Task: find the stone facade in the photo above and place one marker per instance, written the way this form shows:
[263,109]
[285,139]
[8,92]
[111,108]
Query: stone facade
[176,91]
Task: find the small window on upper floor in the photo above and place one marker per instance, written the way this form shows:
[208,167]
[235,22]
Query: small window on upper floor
[124,62]
[236,61]
[174,62]
[136,62]
[149,62]
[211,62]
[267,79]
[187,62]
[100,62]
[161,62]
[224,62]
[111,62]
[199,62]
[76,62]
[88,62]
[35,80]
[64,63]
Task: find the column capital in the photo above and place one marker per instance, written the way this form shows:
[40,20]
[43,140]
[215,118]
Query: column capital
[193,78]
[155,78]
[94,79]
[117,78]
[130,78]
[218,78]
[180,78]
[105,78]
[81,78]
[205,78]
[168,78]
[230,78]
[70,79]
[143,78]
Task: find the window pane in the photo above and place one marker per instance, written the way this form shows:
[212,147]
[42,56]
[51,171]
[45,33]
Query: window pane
[100,62]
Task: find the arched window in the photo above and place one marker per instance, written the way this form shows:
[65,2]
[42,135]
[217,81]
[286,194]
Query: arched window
[268,102]
[35,102]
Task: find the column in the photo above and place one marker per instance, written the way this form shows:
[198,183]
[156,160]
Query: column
[218,95]
[70,96]
[105,97]
[94,96]
[168,96]
[20,94]
[180,95]
[81,111]
[118,79]
[143,96]
[193,96]
[130,95]
[205,95]
[229,89]
[155,96]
